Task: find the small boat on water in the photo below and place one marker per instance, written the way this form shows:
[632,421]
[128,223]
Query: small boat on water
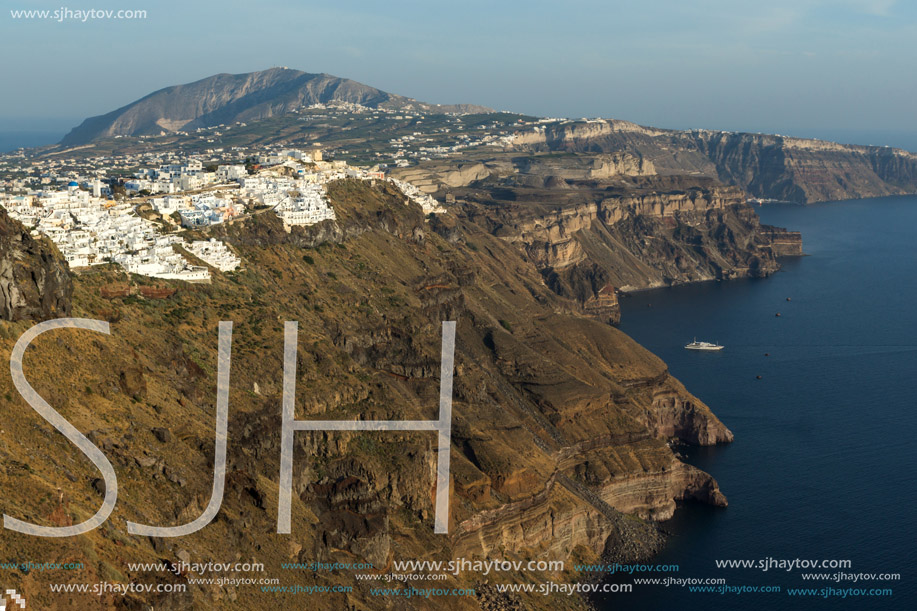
[696,345]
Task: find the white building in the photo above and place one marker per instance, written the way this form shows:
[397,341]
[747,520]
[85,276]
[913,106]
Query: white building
[215,253]
[226,173]
[424,200]
[170,204]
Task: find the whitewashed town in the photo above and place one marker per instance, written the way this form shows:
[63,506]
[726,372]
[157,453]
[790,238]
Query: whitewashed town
[137,221]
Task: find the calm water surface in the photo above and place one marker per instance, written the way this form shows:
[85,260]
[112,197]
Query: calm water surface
[823,465]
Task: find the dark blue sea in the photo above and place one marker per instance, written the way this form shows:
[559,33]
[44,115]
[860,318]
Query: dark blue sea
[12,140]
[824,463]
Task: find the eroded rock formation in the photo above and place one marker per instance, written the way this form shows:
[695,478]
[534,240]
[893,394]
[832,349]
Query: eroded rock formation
[34,278]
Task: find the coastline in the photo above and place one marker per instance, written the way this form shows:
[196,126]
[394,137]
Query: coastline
[802,416]
[13,140]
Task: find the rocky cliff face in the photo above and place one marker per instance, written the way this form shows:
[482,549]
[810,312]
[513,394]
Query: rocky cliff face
[783,243]
[34,279]
[598,224]
[633,239]
[561,424]
[805,171]
[766,166]
[534,172]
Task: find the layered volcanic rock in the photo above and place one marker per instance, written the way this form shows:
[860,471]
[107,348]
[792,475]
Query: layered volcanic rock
[767,166]
[596,223]
[657,231]
[34,278]
[561,423]
[784,243]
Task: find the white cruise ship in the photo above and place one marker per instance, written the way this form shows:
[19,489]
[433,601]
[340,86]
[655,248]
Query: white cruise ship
[696,345]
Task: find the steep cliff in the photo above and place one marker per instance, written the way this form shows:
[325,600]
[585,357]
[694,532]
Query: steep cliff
[806,171]
[34,279]
[766,166]
[598,224]
[560,422]
[527,171]
[592,239]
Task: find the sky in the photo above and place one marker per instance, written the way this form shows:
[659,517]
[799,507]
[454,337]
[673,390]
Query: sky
[800,67]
